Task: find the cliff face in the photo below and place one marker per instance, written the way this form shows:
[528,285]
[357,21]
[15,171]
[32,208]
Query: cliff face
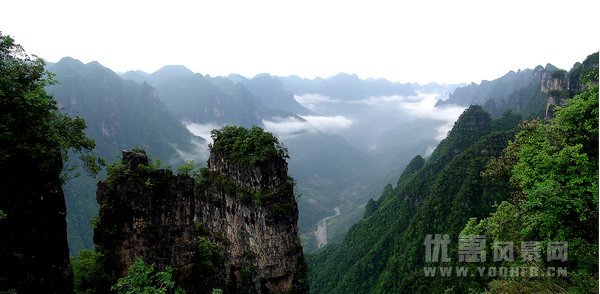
[556,85]
[236,231]
[34,256]
[253,217]
[149,214]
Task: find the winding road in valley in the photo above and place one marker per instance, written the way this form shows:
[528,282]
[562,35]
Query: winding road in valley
[321,232]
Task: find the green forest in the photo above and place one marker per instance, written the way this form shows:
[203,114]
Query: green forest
[507,180]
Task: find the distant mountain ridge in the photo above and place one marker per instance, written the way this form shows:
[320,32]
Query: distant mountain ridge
[347,86]
[119,114]
[529,92]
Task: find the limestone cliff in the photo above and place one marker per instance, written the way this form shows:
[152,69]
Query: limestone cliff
[251,214]
[561,85]
[235,229]
[146,213]
[556,84]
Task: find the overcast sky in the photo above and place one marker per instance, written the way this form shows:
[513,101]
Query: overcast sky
[416,41]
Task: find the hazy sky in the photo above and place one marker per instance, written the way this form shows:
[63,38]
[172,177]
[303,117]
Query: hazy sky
[407,41]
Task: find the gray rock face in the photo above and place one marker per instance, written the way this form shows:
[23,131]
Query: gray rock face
[147,214]
[260,235]
[248,214]
[556,84]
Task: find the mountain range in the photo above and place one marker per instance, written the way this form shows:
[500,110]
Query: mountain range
[339,166]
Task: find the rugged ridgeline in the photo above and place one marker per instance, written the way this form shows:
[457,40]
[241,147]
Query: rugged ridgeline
[531,93]
[237,231]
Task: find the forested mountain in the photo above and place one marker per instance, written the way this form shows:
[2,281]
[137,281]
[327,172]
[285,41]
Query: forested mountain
[541,187]
[119,114]
[373,244]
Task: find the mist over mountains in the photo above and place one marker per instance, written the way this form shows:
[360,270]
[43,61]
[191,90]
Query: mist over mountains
[342,146]
[335,196]
[348,137]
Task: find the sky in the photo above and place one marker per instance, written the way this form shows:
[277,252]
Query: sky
[406,41]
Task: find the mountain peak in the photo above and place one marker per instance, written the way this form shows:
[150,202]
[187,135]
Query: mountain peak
[173,71]
[69,61]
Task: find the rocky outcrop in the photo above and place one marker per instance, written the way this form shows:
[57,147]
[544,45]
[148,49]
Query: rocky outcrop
[149,214]
[34,255]
[253,219]
[556,85]
[235,231]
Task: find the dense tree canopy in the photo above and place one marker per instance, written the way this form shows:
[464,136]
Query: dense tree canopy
[541,187]
[251,146]
[30,121]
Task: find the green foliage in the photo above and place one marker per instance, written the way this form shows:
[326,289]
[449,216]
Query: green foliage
[370,208]
[143,278]
[187,168]
[30,122]
[253,147]
[246,273]
[117,169]
[209,255]
[88,275]
[383,252]
[546,184]
[2,215]
[553,172]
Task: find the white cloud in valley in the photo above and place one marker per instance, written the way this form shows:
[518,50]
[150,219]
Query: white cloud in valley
[310,101]
[290,126]
[202,130]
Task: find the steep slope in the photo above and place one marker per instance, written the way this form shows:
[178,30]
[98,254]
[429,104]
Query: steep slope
[379,254]
[553,170]
[119,114]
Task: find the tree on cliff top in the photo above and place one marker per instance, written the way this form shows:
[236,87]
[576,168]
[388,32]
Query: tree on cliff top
[31,124]
[247,146]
